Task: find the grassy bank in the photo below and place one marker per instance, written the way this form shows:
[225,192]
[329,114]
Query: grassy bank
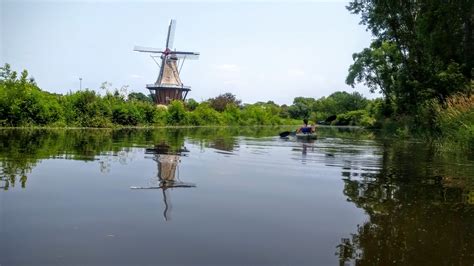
[448,124]
[454,122]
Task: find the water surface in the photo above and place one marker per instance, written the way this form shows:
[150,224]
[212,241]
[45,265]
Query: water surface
[202,196]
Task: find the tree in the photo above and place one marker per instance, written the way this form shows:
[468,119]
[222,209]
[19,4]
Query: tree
[345,102]
[191,104]
[176,113]
[301,107]
[422,50]
[138,96]
[378,67]
[220,102]
[23,103]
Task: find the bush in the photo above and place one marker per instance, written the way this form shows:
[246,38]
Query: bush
[455,120]
[256,115]
[176,113]
[220,102]
[191,105]
[205,115]
[355,118]
[127,114]
[232,115]
[87,109]
[22,103]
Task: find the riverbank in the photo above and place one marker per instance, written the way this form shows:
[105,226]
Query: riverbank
[449,124]
[24,105]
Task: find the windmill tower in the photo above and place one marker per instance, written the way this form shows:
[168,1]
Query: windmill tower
[168,86]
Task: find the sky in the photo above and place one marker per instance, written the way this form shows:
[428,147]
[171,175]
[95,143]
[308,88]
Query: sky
[259,51]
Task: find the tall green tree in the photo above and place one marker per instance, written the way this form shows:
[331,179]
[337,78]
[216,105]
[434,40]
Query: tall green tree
[422,49]
[220,102]
[140,97]
[301,107]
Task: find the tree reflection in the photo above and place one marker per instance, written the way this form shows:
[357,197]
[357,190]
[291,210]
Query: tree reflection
[418,214]
[22,149]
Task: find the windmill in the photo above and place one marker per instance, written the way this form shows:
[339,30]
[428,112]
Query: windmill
[168,86]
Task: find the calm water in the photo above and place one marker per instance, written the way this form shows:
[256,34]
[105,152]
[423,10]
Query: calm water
[231,196]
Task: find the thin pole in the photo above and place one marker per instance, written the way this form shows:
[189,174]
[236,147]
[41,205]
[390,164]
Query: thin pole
[182,63]
[80,83]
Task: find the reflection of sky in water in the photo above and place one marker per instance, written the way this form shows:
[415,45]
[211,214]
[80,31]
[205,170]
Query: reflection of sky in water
[256,201]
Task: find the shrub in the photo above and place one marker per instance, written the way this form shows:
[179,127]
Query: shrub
[23,103]
[232,115]
[87,109]
[220,102]
[455,119]
[355,118]
[191,104]
[176,113]
[205,115]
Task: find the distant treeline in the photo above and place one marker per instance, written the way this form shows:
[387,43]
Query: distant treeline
[23,103]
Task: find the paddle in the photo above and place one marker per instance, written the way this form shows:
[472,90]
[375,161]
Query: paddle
[330,119]
[286,134]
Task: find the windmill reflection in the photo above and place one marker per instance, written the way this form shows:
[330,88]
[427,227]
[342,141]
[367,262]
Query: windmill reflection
[168,160]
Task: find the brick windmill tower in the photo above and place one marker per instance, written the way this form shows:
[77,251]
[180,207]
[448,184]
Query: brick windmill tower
[168,86]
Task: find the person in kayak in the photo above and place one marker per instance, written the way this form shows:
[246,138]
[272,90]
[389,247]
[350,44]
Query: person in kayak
[306,129]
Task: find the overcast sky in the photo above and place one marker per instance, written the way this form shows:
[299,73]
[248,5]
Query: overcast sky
[259,51]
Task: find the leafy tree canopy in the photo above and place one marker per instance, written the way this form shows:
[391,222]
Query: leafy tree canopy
[140,97]
[220,102]
[422,50]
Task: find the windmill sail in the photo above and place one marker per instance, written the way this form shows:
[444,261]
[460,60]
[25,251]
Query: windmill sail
[144,49]
[170,38]
[191,56]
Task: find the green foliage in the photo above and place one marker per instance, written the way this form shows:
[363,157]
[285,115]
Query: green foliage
[191,104]
[301,107]
[232,115]
[422,50]
[220,102]
[339,102]
[139,97]
[455,121]
[352,118]
[127,114]
[176,113]
[87,109]
[205,115]
[259,115]
[378,67]
[22,103]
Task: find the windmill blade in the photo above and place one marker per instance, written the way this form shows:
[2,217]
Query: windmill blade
[147,49]
[180,52]
[193,56]
[170,38]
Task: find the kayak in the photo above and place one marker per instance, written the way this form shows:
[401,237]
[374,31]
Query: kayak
[287,134]
[306,136]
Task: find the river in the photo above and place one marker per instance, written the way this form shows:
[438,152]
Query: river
[243,196]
